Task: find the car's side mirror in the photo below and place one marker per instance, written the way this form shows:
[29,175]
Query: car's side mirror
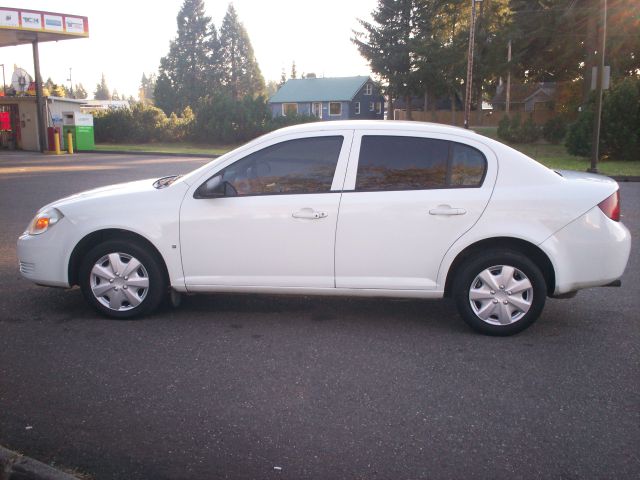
[215,187]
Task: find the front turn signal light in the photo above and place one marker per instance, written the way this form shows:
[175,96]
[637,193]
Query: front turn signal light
[44,220]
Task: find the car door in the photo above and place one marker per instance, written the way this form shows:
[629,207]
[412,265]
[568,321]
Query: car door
[407,198]
[274,223]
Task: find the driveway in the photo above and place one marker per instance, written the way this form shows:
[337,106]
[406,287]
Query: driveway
[238,386]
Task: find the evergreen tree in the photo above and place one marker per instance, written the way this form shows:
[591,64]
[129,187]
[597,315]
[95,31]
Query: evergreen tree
[147,87]
[102,91]
[294,72]
[182,77]
[271,88]
[79,92]
[49,85]
[283,79]
[115,95]
[241,74]
[388,43]
[214,70]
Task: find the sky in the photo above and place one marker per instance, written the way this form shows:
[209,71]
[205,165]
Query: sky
[128,38]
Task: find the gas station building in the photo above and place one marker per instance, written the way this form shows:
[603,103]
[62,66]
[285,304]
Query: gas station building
[25,119]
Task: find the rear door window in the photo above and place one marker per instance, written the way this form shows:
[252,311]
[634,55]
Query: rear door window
[389,162]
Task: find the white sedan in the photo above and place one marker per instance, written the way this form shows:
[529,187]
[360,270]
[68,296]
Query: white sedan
[384,209]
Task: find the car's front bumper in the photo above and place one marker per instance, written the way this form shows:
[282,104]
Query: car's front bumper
[43,258]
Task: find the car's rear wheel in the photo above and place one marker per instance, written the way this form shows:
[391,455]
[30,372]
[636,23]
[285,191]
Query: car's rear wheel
[121,279]
[499,292]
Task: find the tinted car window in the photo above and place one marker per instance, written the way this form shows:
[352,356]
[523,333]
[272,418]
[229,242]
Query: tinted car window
[414,163]
[467,166]
[305,165]
[401,163]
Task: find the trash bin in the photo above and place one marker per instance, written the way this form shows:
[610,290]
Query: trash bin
[81,127]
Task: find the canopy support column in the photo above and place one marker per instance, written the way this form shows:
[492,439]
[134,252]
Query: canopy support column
[40,107]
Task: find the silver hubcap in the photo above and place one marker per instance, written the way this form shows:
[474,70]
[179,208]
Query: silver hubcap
[501,295]
[119,281]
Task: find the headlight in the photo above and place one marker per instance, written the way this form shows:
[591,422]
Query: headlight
[44,220]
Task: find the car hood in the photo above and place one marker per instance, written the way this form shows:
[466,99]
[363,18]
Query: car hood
[117,190]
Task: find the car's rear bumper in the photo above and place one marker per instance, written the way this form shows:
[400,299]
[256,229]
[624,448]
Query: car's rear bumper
[591,251]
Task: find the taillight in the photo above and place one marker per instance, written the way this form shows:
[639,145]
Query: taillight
[611,206]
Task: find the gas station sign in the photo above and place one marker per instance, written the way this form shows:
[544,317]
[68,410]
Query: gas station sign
[45,22]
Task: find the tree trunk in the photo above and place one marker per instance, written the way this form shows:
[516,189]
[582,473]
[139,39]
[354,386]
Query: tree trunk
[407,101]
[453,108]
[479,97]
[432,104]
[391,113]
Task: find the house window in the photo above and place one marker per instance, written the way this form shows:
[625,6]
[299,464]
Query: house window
[356,108]
[372,106]
[335,108]
[289,109]
[378,107]
[368,89]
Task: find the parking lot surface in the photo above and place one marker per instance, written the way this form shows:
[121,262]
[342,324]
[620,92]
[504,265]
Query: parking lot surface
[256,386]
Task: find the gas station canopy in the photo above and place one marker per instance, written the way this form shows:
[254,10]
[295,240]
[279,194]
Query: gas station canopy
[19,26]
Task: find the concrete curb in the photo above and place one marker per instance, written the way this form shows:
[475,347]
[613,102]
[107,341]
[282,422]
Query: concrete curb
[157,154]
[14,466]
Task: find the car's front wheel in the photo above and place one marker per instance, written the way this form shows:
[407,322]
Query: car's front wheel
[121,279]
[499,292]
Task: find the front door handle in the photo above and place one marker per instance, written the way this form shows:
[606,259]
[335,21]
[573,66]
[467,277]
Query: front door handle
[309,214]
[447,210]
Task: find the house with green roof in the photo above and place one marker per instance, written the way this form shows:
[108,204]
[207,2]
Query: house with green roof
[335,98]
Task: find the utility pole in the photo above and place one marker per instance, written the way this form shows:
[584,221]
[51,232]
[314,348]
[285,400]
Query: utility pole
[4,83]
[508,78]
[70,83]
[472,38]
[595,140]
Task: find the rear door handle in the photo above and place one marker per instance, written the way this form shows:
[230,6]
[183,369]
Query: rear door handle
[447,210]
[309,214]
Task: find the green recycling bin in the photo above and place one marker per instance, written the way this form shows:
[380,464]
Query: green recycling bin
[81,127]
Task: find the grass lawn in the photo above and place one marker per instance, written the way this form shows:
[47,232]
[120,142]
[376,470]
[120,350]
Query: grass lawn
[195,148]
[556,157]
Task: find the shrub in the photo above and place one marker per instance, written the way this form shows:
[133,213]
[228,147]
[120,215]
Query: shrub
[620,127]
[142,123]
[515,135]
[513,130]
[218,118]
[620,131]
[221,119]
[503,128]
[578,141]
[529,132]
[554,130]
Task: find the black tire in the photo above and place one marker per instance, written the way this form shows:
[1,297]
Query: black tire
[151,270]
[512,319]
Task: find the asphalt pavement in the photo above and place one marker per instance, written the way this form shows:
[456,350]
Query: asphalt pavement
[260,387]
